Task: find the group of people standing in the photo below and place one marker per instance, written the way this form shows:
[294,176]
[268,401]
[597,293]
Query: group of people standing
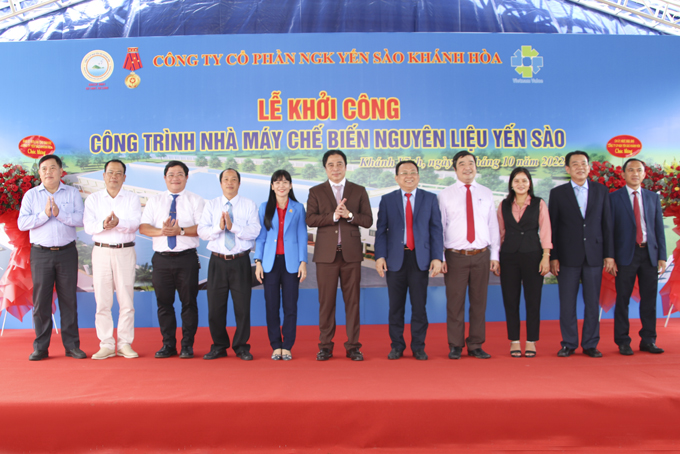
[459,233]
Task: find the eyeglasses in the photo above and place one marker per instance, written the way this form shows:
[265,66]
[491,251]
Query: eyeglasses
[173,175]
[405,174]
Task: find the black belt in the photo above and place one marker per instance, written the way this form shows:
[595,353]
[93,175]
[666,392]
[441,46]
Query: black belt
[175,254]
[55,248]
[115,246]
[338,248]
[231,257]
[641,244]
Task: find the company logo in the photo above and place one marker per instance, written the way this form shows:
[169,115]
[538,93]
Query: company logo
[97,66]
[526,62]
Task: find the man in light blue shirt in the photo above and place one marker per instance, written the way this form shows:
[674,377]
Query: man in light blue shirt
[51,212]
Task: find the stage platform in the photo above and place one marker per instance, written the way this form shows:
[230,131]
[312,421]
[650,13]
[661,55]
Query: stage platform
[148,405]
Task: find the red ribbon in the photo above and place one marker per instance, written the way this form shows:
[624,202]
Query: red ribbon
[132,60]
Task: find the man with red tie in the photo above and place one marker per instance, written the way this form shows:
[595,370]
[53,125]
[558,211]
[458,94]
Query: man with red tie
[639,251]
[472,243]
[408,244]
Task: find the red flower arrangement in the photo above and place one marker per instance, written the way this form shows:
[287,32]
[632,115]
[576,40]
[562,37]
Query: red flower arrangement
[612,177]
[15,181]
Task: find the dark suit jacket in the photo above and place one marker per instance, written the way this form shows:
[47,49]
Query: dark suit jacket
[624,226]
[321,205]
[427,230]
[576,239]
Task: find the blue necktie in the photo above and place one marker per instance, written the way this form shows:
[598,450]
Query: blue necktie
[582,200]
[172,240]
[229,237]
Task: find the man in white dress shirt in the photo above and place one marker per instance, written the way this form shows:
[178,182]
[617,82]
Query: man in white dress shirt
[112,217]
[231,224]
[171,219]
[471,245]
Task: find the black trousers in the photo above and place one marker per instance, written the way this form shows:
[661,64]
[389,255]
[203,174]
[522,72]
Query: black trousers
[648,280]
[413,279]
[226,276]
[50,269]
[517,269]
[176,273]
[281,286]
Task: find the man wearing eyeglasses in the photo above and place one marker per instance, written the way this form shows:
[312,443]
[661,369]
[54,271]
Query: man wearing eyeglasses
[112,217]
[409,243]
[171,219]
[338,208]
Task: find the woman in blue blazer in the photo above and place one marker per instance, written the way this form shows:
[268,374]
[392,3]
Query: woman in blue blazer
[281,261]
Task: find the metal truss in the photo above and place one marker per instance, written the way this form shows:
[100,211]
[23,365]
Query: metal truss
[660,15]
[13,12]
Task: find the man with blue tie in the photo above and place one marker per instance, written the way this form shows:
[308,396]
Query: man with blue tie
[171,219]
[639,251]
[409,243]
[231,224]
[51,212]
[580,217]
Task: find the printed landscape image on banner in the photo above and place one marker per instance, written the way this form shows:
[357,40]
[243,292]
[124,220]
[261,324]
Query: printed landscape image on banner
[259,103]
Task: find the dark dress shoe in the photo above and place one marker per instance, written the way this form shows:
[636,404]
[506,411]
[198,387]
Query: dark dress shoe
[38,355]
[166,352]
[395,354]
[76,353]
[651,348]
[479,353]
[625,350]
[566,352]
[324,354]
[592,352]
[455,352]
[214,354]
[420,355]
[186,353]
[244,355]
[354,354]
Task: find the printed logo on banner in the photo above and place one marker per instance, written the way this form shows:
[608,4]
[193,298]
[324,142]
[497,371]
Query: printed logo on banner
[96,67]
[527,63]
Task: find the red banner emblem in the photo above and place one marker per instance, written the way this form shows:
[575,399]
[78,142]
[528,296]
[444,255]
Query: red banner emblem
[36,146]
[624,146]
[132,60]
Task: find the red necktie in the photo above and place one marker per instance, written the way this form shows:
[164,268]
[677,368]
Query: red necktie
[470,217]
[410,241]
[638,222]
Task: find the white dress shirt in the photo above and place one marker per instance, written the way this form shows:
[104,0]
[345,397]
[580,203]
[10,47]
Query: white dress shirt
[189,209]
[127,208]
[245,224]
[453,205]
[643,223]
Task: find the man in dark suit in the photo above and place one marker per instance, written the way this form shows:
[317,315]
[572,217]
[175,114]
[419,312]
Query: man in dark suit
[639,251]
[338,208]
[408,243]
[581,232]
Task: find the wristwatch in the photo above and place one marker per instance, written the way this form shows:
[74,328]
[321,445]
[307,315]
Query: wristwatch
[181,231]
[258,261]
[351,216]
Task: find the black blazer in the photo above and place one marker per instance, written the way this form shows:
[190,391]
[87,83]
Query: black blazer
[577,240]
[624,226]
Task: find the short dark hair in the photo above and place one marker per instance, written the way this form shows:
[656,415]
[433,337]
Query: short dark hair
[118,161]
[330,153]
[175,164]
[396,170]
[625,164]
[50,156]
[462,154]
[238,175]
[513,174]
[567,158]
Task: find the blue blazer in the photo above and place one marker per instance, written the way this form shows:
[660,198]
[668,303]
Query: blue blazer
[624,226]
[574,238]
[294,238]
[427,230]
